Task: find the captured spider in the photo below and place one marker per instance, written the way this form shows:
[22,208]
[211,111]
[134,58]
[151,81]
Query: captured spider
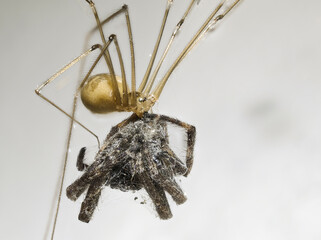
[135,154]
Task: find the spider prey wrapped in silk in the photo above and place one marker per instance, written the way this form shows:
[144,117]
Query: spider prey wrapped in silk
[136,155]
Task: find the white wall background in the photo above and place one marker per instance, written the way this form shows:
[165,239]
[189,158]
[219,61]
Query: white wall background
[252,88]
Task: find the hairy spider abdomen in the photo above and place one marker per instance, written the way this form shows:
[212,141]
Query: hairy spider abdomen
[134,155]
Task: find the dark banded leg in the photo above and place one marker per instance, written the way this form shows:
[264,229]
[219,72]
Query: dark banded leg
[90,203]
[174,190]
[95,171]
[191,134]
[80,160]
[157,194]
[165,178]
[179,167]
[162,173]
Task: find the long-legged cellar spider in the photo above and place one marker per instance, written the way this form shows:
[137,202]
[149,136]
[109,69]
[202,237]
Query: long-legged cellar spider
[136,152]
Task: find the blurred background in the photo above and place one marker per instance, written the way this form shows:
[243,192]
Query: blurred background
[251,88]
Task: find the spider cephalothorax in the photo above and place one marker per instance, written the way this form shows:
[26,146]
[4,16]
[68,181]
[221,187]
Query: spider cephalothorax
[136,155]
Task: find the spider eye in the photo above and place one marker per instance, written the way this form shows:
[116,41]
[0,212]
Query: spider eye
[142,99]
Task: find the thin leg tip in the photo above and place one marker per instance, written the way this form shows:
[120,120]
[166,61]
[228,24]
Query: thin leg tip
[90,2]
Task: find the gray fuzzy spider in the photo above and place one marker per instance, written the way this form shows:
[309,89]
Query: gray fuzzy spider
[135,155]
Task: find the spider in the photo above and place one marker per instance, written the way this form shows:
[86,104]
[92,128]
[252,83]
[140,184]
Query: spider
[136,152]
[135,155]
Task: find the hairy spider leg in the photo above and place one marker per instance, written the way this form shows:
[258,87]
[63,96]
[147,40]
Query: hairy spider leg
[81,166]
[191,134]
[171,186]
[81,184]
[80,160]
[157,195]
[90,202]
[94,171]
[161,177]
[169,156]
[94,178]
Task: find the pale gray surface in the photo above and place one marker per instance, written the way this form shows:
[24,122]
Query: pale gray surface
[252,88]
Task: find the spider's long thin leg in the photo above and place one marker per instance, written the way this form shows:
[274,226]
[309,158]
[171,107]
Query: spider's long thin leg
[125,102]
[191,133]
[110,66]
[152,59]
[157,194]
[132,56]
[176,30]
[209,23]
[124,9]
[104,51]
[72,117]
[39,89]
[107,54]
